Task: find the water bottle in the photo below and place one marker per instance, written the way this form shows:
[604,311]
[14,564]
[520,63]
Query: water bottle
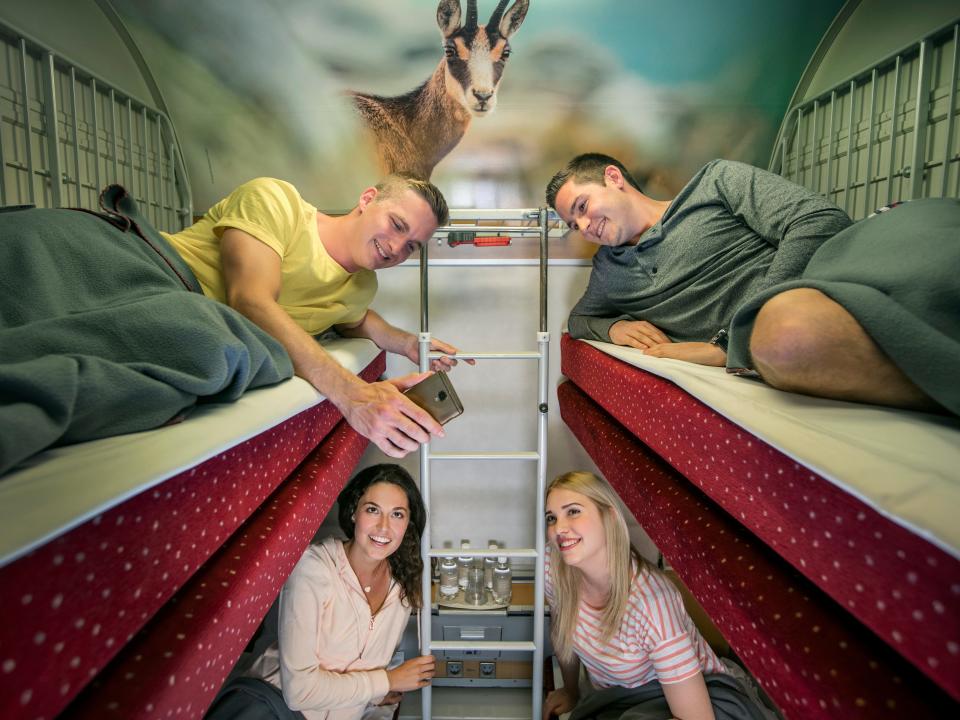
[464,562]
[502,581]
[489,563]
[474,593]
[449,578]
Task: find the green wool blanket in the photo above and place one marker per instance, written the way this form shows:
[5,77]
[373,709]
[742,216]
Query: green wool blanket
[898,274]
[104,330]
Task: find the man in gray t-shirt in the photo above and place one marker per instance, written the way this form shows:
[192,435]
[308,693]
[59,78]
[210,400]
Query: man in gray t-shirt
[670,275]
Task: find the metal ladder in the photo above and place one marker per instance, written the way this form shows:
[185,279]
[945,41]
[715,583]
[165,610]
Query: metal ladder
[544,217]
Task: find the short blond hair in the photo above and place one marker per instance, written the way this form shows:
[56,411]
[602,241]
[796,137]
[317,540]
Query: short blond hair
[395,183]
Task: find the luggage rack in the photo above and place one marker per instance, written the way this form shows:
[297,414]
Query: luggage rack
[543,218]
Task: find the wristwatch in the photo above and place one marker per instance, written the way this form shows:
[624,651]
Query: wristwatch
[720,339]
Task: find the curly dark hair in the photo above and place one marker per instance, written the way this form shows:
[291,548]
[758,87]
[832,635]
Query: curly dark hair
[406,565]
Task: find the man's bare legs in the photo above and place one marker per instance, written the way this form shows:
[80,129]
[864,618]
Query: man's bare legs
[805,342]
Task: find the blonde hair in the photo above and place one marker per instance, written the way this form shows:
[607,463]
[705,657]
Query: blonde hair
[564,609]
[395,183]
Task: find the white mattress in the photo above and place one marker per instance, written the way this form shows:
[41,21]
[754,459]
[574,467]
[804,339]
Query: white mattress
[64,487]
[904,464]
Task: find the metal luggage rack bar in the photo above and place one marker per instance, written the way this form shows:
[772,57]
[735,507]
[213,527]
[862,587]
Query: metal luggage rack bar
[866,117]
[100,135]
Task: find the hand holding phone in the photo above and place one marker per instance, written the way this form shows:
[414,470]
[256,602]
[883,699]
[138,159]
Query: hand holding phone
[436,395]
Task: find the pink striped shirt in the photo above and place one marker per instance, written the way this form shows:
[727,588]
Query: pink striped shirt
[657,639]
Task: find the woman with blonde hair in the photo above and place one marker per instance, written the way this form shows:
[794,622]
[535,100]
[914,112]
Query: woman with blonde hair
[624,621]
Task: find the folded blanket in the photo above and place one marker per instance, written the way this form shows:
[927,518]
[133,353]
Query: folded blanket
[898,274]
[104,331]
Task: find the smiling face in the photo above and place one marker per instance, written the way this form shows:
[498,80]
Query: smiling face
[575,527]
[602,213]
[391,228]
[381,520]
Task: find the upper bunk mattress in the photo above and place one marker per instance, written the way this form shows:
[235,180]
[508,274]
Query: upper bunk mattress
[62,488]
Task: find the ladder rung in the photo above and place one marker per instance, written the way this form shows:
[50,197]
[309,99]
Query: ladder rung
[485,456]
[491,645]
[525,355]
[478,552]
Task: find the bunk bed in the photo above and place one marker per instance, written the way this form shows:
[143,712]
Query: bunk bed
[135,568]
[820,536]
[815,533]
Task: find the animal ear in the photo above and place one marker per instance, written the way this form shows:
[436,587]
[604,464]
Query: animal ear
[513,18]
[448,16]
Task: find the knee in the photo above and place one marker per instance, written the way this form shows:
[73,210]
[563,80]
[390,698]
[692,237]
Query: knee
[789,335]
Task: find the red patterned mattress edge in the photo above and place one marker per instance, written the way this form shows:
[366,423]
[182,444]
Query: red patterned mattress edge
[812,657]
[176,665]
[72,604]
[895,582]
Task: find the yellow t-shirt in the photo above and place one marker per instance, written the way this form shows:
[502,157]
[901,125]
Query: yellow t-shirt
[315,290]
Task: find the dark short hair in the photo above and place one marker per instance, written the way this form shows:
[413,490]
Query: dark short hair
[586,168]
[406,565]
[393,183]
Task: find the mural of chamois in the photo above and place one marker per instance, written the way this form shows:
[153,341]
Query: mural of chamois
[415,131]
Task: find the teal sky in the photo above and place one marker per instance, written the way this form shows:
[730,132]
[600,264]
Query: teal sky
[686,41]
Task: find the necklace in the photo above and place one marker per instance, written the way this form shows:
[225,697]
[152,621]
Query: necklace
[373,581]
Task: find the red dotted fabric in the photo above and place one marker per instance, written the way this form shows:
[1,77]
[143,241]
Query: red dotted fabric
[895,582]
[70,606]
[176,665]
[813,658]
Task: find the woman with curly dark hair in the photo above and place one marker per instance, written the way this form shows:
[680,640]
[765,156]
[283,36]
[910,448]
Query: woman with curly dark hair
[342,613]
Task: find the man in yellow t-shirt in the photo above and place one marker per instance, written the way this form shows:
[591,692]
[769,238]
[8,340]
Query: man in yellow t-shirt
[297,272]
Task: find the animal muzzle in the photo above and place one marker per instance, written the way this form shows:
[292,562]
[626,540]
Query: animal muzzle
[482,100]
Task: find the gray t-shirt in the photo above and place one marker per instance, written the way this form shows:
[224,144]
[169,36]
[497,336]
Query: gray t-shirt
[733,231]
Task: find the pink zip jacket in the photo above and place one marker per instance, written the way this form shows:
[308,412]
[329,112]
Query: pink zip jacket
[332,651]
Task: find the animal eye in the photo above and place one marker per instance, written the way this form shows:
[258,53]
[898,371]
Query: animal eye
[582,207]
[505,54]
[551,519]
[371,509]
[411,247]
[398,514]
[396,225]
[448,51]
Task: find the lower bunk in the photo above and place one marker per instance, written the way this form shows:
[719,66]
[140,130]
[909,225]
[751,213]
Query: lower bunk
[836,608]
[141,609]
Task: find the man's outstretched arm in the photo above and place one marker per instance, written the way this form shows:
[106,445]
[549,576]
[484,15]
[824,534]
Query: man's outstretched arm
[393,339]
[378,411]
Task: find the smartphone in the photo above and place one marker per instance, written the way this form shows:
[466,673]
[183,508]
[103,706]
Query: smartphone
[437,396]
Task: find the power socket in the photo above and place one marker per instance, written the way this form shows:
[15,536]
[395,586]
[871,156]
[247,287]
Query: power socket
[488,669]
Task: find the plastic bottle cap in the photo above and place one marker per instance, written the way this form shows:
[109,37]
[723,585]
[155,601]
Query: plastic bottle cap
[502,559]
[493,546]
[464,544]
